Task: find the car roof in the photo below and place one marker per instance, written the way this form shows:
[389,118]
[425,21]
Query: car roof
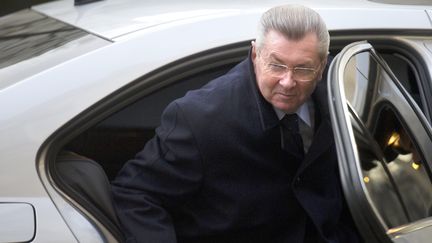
[112,19]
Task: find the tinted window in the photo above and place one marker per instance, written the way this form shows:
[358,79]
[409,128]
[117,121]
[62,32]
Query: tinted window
[31,43]
[118,138]
[395,174]
[26,34]
[404,70]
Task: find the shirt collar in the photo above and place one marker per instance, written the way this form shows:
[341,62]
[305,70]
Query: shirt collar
[303,112]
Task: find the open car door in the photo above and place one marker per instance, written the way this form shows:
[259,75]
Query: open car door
[384,145]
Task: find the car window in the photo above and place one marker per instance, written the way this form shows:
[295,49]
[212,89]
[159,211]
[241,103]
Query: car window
[31,42]
[117,139]
[387,164]
[26,34]
[393,172]
[406,74]
[406,62]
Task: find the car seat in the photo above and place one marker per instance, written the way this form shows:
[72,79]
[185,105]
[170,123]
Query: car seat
[85,181]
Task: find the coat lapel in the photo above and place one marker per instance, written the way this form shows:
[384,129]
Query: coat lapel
[266,113]
[323,136]
[320,144]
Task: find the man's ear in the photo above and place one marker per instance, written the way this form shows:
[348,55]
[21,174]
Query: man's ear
[254,51]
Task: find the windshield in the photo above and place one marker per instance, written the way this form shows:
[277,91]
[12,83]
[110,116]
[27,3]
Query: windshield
[31,42]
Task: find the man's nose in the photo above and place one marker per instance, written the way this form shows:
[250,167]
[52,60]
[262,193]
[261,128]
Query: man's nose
[287,80]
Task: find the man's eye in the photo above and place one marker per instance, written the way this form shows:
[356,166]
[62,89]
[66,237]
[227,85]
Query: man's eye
[304,71]
[277,67]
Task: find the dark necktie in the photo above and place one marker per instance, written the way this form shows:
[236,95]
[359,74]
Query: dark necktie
[291,139]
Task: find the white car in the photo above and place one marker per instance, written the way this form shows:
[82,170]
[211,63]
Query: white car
[82,88]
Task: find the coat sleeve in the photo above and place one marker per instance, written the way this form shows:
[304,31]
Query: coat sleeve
[166,173]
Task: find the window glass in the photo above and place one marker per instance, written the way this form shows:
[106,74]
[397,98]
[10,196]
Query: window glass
[119,137]
[26,34]
[395,177]
[406,74]
[405,166]
[31,43]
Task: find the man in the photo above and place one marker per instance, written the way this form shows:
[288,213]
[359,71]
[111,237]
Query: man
[225,166]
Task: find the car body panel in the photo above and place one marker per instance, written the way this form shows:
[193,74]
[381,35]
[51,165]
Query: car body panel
[18,222]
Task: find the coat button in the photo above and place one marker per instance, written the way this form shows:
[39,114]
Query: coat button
[297,180]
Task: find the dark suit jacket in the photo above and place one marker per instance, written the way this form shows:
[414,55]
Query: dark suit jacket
[215,172]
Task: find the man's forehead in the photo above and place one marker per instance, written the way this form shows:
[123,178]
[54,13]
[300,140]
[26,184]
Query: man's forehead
[285,57]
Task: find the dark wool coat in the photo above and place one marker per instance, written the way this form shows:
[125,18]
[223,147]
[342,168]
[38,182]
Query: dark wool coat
[215,172]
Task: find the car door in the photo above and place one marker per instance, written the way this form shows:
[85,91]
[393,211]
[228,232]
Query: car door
[384,145]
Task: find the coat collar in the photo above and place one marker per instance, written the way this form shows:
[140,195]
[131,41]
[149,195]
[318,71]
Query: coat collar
[323,128]
[268,117]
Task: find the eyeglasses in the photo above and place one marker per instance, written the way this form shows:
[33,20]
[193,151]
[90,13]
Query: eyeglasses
[301,74]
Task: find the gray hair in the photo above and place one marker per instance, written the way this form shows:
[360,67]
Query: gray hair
[294,22]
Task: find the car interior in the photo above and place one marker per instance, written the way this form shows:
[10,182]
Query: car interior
[96,145]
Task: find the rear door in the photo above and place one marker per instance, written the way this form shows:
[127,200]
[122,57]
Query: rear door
[384,145]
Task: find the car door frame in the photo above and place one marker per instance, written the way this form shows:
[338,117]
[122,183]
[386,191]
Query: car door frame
[365,215]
